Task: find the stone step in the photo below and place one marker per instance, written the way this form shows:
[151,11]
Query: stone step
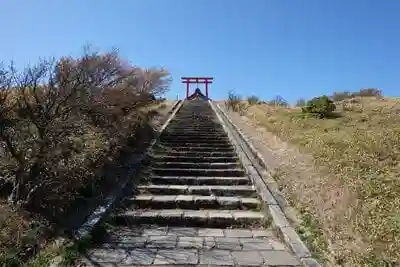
[192,202]
[193,149]
[194,124]
[194,145]
[195,135]
[179,136]
[191,122]
[192,180]
[200,115]
[199,128]
[118,234]
[203,190]
[194,140]
[159,157]
[196,165]
[193,218]
[234,172]
[204,120]
[193,115]
[204,154]
[176,138]
[199,132]
[194,111]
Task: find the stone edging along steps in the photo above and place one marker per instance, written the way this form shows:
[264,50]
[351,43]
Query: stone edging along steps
[274,203]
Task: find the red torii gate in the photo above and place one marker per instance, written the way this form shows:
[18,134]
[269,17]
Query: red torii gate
[197,80]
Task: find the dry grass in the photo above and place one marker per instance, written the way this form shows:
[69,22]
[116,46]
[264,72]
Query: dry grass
[357,200]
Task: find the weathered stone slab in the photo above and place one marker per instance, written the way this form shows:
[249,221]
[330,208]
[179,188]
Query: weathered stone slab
[154,230]
[228,201]
[144,197]
[247,258]
[251,215]
[238,233]
[209,243]
[140,257]
[164,198]
[108,255]
[184,198]
[196,214]
[162,241]
[262,233]
[211,232]
[279,258]
[250,201]
[183,231]
[204,199]
[226,243]
[176,256]
[251,244]
[216,257]
[126,241]
[293,240]
[172,214]
[190,242]
[216,215]
[278,217]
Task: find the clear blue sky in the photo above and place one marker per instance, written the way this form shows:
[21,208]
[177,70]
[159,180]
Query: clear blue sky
[264,47]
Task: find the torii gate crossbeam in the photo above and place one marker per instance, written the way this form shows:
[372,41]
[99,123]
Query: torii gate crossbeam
[196,80]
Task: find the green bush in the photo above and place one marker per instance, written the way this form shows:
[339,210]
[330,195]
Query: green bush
[253,100]
[321,106]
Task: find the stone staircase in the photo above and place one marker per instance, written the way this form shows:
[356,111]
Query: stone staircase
[196,207]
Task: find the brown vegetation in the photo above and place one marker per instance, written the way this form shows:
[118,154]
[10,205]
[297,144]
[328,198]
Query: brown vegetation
[355,198]
[63,125]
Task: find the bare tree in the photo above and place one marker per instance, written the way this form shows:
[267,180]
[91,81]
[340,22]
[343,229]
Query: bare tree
[44,106]
[278,101]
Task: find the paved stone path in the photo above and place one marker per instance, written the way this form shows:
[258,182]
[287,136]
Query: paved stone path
[197,208]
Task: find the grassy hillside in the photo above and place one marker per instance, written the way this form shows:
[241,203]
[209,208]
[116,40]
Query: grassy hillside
[357,153]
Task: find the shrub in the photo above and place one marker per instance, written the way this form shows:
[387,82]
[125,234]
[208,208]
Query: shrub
[321,106]
[339,96]
[278,101]
[369,92]
[253,100]
[235,103]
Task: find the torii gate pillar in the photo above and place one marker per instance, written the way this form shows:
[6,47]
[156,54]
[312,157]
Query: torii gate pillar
[197,80]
